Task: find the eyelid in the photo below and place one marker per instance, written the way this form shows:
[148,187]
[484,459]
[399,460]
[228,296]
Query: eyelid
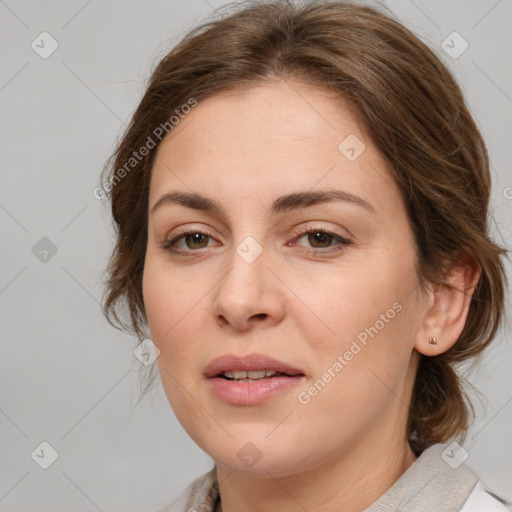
[181,232]
[303,230]
[331,250]
[184,230]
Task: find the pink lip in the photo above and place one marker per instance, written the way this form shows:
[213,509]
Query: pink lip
[250,393]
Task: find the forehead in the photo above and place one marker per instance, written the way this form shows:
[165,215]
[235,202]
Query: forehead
[267,138]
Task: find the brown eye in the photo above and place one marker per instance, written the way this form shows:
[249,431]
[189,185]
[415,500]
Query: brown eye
[196,240]
[187,241]
[320,239]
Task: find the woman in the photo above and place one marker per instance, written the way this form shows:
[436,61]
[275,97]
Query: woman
[301,201]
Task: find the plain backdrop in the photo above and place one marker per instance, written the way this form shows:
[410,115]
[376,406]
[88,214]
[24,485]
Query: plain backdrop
[66,377]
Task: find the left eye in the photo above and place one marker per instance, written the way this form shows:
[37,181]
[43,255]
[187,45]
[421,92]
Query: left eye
[322,239]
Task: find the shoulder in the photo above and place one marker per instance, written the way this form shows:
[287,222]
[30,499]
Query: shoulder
[482,500]
[199,496]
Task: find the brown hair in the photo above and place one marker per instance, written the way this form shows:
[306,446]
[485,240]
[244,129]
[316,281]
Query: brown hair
[411,107]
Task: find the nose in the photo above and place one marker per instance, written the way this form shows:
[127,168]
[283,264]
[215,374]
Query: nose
[248,295]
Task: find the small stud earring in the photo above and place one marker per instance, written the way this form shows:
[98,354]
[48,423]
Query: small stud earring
[432,340]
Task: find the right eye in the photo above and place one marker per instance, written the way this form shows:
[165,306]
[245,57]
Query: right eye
[193,239]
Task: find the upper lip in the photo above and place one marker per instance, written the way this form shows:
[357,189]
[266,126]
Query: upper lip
[232,362]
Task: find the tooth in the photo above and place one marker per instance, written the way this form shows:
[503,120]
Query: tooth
[239,374]
[249,375]
[256,374]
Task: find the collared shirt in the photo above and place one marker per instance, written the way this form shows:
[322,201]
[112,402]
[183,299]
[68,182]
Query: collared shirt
[435,482]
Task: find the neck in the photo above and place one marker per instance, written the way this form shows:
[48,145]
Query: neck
[350,481]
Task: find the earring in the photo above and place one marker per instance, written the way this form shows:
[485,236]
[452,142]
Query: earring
[432,340]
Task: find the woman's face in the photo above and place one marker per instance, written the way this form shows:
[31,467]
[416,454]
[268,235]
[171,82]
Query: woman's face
[340,304]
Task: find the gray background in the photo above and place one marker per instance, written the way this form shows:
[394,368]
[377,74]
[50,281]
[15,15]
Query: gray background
[66,376]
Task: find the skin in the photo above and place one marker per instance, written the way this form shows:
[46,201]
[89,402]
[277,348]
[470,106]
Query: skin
[348,445]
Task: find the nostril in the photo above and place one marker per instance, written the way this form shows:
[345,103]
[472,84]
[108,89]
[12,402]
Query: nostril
[223,319]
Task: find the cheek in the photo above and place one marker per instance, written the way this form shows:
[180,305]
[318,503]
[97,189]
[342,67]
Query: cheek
[175,303]
[344,301]
[361,329]
[169,296]
[172,307]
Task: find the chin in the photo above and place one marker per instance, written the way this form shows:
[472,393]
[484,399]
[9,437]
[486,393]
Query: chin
[259,456]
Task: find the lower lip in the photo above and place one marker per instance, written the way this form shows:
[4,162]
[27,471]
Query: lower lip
[251,393]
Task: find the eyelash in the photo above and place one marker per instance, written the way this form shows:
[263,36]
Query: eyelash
[343,242]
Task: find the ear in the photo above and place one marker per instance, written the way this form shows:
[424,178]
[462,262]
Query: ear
[448,307]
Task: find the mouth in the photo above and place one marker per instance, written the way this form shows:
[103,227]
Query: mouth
[250,380]
[251,367]
[254,375]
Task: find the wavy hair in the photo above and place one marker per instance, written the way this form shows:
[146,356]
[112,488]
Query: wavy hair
[411,107]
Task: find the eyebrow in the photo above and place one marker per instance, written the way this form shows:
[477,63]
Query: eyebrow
[286,203]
